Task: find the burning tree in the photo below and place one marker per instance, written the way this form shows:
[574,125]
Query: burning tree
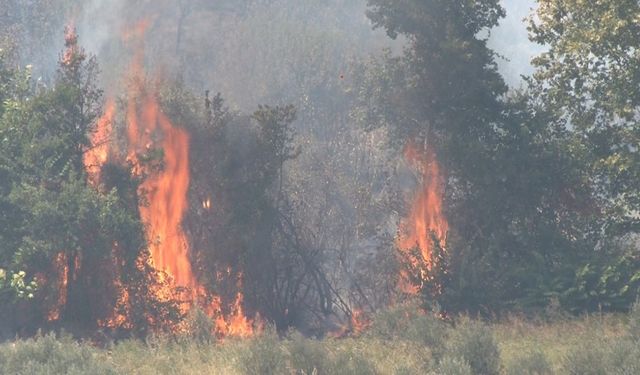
[423,233]
[63,229]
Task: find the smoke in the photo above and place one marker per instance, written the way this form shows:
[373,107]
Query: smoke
[98,22]
[234,48]
[510,40]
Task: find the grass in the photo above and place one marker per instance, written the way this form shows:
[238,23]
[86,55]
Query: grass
[400,341]
[520,339]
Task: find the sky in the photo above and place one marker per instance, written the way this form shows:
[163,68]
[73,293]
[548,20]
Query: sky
[510,40]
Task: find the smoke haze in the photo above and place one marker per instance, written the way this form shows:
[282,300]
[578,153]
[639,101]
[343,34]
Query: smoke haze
[510,39]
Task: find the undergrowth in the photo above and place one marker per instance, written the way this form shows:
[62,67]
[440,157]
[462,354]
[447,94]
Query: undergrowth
[401,340]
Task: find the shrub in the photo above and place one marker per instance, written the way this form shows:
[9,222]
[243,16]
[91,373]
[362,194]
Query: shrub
[600,356]
[352,362]
[634,321]
[307,356]
[409,323]
[263,355]
[453,366]
[533,363]
[50,355]
[474,342]
[588,358]
[200,327]
[623,357]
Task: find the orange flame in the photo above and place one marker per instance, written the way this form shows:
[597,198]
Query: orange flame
[426,215]
[166,193]
[62,266]
[357,324]
[237,323]
[72,50]
[164,202]
[96,156]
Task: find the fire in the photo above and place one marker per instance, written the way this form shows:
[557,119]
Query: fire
[72,51]
[206,204]
[62,266]
[237,324]
[357,324]
[158,151]
[96,156]
[359,321]
[426,215]
[166,191]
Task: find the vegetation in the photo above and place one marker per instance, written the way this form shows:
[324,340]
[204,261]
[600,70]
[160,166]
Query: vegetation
[358,155]
[597,344]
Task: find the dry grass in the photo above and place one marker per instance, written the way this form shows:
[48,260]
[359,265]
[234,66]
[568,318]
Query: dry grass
[518,337]
[592,344]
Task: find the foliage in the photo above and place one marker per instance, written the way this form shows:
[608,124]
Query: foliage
[308,356]
[586,80]
[295,207]
[584,345]
[15,284]
[532,363]
[634,322]
[588,77]
[474,342]
[410,323]
[55,224]
[264,356]
[52,355]
[513,234]
[609,282]
[200,327]
[453,366]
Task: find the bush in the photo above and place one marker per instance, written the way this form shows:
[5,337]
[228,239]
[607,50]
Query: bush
[533,363]
[588,358]
[307,356]
[200,327]
[604,356]
[634,322]
[264,355]
[409,323]
[474,342]
[352,362]
[453,366]
[624,358]
[50,355]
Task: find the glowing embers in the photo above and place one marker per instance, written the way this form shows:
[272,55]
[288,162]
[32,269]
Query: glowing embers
[426,225]
[206,204]
[358,322]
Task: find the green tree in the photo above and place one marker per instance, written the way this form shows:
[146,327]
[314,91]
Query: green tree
[589,78]
[513,191]
[589,81]
[80,240]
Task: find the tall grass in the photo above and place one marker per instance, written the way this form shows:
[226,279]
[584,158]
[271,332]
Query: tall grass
[401,340]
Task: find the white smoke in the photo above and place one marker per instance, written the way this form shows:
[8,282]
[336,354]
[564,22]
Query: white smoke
[98,23]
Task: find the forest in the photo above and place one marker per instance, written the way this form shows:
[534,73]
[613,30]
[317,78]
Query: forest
[306,185]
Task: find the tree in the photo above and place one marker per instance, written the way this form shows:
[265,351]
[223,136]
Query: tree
[589,79]
[514,194]
[60,227]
